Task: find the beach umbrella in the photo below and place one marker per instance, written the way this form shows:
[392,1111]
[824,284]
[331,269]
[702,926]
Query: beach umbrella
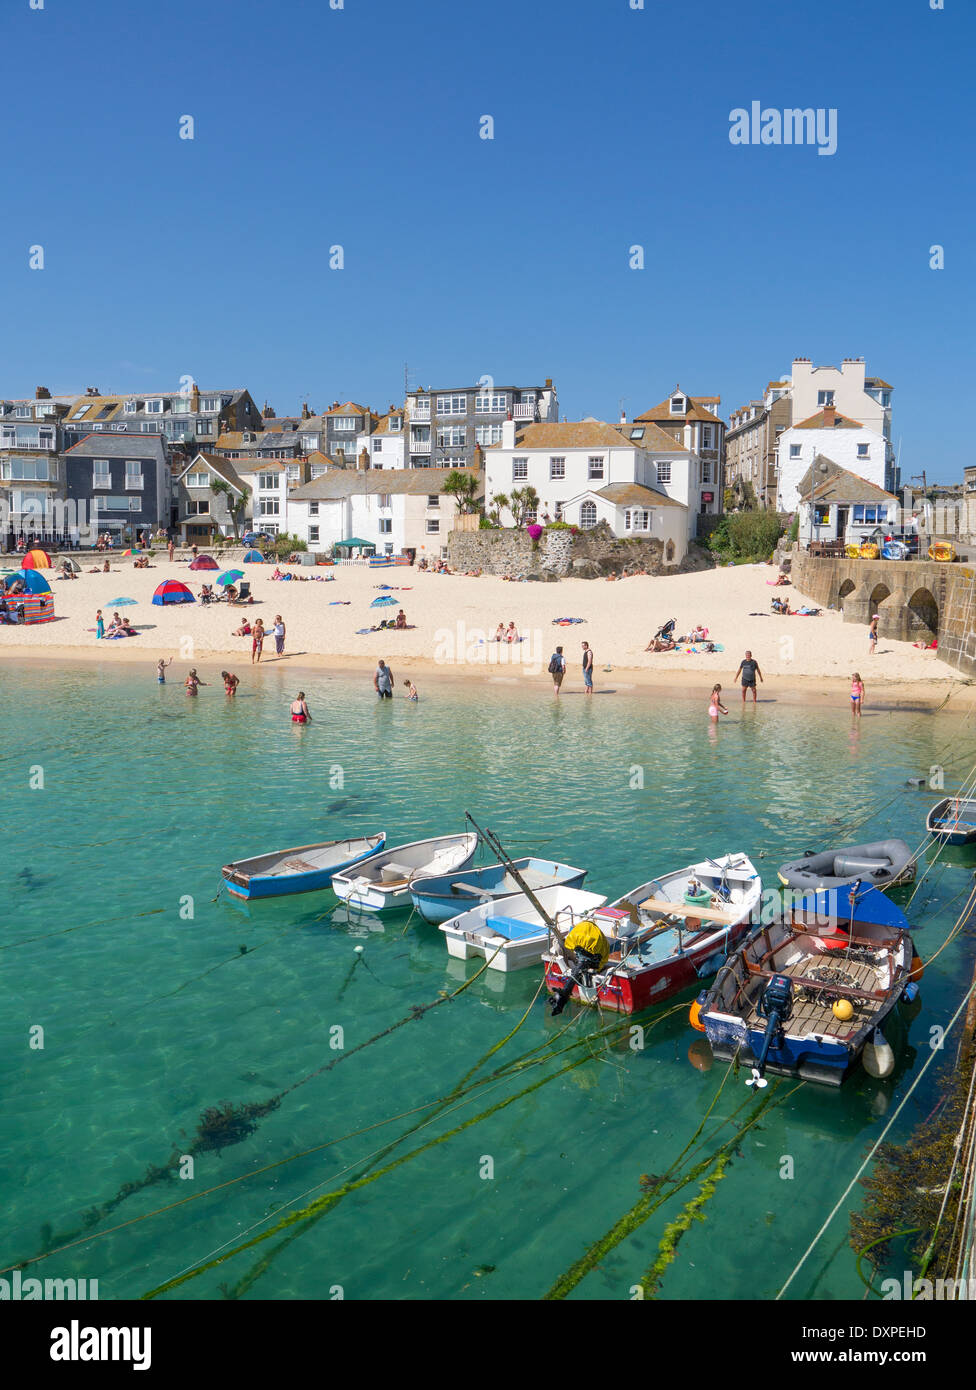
[134,551]
[34,582]
[384,601]
[172,591]
[36,560]
[204,562]
[120,602]
[70,564]
[230,577]
[254,557]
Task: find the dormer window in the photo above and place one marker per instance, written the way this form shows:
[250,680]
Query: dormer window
[154,407]
[131,407]
[396,424]
[677,405]
[637,433]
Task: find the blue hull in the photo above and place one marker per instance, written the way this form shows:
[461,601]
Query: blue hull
[278,886]
[815,1060]
[436,902]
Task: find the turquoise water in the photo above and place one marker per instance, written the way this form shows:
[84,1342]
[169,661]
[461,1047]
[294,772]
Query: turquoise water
[151,1016]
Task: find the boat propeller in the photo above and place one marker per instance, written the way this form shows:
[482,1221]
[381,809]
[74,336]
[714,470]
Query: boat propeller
[776,1006]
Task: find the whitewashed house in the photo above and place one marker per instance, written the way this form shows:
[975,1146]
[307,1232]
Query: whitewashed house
[396,509]
[836,505]
[636,478]
[845,441]
[385,445]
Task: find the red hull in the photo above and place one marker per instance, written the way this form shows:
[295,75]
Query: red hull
[638,989]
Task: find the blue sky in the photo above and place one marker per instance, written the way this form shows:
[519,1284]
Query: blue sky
[463,257]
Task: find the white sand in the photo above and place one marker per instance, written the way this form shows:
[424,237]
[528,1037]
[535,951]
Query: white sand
[620,618]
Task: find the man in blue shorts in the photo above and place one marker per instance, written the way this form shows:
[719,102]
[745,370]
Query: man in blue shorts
[750,670]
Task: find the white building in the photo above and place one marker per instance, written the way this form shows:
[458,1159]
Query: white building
[837,505]
[386,444]
[397,510]
[847,389]
[845,441]
[635,477]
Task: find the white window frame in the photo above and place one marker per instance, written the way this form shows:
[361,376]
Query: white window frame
[103,478]
[452,405]
[386,526]
[677,405]
[795,451]
[596,467]
[154,407]
[313,509]
[557,467]
[589,508]
[491,403]
[134,482]
[313,535]
[343,424]
[433,526]
[520,470]
[664,471]
[264,485]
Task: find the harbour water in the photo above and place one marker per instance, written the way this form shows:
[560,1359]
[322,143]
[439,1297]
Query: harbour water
[160,998]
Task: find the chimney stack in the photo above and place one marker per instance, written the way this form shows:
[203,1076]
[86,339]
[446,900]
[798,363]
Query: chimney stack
[306,413]
[42,394]
[508,434]
[623,417]
[830,416]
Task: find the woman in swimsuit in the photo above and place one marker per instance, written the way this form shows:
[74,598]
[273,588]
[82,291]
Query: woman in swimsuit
[299,709]
[230,682]
[715,706]
[257,640]
[193,682]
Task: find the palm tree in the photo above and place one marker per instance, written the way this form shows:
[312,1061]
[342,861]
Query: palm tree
[236,508]
[522,500]
[462,487]
[499,501]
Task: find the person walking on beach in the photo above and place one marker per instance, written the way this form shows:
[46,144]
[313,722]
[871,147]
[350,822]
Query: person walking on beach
[383,681]
[257,640]
[587,669]
[161,670]
[299,709]
[857,693]
[873,635]
[278,632]
[557,668]
[99,625]
[715,706]
[231,682]
[171,547]
[749,669]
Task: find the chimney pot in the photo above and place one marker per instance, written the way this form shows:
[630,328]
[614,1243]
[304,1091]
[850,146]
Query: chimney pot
[42,394]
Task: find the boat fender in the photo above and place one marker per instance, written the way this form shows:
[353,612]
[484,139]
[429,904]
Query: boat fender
[842,1009]
[918,968]
[877,1057]
[694,1013]
[915,782]
[910,992]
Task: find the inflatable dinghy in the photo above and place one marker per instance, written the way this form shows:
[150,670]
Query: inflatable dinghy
[879,864]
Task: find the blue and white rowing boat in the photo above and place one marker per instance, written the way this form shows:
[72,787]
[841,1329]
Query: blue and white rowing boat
[383,880]
[510,933]
[298,870]
[440,896]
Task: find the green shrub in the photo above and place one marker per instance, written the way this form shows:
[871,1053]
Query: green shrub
[745,536]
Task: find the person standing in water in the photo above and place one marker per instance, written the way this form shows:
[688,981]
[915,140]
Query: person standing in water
[749,669]
[299,709]
[231,682]
[161,670]
[557,668]
[193,682]
[383,681]
[857,693]
[715,706]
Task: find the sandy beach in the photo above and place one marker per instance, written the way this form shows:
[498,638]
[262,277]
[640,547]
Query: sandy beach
[453,619]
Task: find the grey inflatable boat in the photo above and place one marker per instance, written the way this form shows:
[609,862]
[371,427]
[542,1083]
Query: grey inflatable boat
[880,864]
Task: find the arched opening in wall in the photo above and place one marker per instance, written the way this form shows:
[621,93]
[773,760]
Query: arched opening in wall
[923,616]
[846,588]
[878,595]
[669,552]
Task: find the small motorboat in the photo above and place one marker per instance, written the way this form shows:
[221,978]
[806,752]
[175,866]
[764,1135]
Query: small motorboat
[383,880]
[942,551]
[808,994]
[298,870]
[953,820]
[657,939]
[510,932]
[880,863]
[438,897]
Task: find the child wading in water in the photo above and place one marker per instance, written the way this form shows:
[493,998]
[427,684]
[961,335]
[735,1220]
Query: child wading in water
[857,693]
[715,705]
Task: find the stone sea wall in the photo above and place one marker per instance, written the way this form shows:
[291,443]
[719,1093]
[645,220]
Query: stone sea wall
[589,555]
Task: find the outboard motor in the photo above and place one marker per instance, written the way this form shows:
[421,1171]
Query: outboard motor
[776,1005]
[586,963]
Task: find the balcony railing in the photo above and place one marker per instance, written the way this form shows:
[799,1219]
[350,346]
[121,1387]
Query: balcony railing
[524,412]
[134,484]
[421,412]
[16,446]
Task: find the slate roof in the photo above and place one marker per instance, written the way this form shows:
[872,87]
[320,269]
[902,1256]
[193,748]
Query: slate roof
[118,446]
[352,482]
[636,495]
[220,466]
[839,485]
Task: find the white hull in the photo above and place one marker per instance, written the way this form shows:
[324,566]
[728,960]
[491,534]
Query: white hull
[509,934]
[383,880]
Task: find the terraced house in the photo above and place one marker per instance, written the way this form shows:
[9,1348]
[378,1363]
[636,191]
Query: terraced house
[185,419]
[445,426]
[694,424]
[31,474]
[123,482]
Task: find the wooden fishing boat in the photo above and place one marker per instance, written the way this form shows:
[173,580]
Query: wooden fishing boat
[510,933]
[807,995]
[882,863]
[660,937]
[299,870]
[440,896]
[383,880]
[953,820]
